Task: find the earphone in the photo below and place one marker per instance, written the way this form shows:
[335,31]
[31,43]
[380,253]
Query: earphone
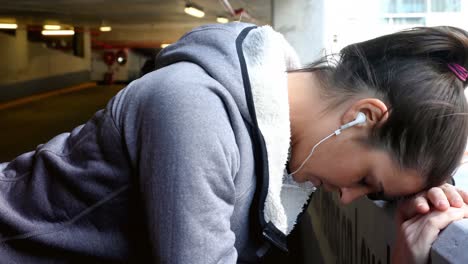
[360,119]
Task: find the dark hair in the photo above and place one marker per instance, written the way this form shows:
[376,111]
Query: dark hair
[427,127]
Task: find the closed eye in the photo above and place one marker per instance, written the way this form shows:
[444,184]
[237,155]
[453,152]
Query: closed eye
[363,182]
[379,196]
[374,195]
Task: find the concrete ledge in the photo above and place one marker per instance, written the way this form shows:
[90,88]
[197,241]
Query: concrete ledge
[452,244]
[14,91]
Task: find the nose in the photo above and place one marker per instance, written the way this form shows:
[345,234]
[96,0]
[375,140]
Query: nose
[347,195]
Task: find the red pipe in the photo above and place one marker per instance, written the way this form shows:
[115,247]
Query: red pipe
[96,44]
[241,12]
[228,7]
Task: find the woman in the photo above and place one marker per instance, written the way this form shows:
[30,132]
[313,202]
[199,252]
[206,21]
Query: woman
[188,164]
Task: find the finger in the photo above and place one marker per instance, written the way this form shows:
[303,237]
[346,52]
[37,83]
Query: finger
[465,210]
[463,194]
[453,196]
[438,198]
[412,206]
[420,204]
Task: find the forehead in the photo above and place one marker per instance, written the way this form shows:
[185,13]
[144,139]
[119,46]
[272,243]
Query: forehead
[396,181]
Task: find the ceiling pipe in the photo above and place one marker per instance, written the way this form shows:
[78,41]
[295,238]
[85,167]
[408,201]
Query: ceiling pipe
[227,6]
[241,12]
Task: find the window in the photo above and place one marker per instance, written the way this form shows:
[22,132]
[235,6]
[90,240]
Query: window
[404,6]
[420,21]
[445,5]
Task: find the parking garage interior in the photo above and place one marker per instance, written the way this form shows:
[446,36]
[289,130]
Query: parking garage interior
[62,61]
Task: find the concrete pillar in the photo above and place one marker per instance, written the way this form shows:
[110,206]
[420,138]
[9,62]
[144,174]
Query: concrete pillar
[14,54]
[21,50]
[87,46]
[302,22]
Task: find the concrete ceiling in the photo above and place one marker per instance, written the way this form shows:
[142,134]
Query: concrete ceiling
[145,22]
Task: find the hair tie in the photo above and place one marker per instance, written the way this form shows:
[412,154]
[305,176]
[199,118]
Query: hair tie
[459,71]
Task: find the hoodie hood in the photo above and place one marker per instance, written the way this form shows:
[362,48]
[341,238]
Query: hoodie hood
[257,59]
[212,47]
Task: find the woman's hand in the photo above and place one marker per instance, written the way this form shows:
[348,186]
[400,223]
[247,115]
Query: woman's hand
[439,198]
[421,218]
[417,234]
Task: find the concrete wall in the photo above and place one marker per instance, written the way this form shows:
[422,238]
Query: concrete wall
[359,233]
[25,61]
[127,72]
[302,23]
[27,68]
[14,54]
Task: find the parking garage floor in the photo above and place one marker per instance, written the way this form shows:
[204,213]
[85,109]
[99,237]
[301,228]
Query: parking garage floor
[25,126]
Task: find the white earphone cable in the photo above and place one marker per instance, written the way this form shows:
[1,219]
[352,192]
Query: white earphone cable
[360,119]
[312,152]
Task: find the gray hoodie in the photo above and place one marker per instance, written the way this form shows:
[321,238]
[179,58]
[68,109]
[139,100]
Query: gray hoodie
[185,165]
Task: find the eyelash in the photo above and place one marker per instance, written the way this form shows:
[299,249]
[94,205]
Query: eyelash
[363,182]
[372,196]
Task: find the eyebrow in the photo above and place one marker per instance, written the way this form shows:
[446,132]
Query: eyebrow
[385,197]
[380,195]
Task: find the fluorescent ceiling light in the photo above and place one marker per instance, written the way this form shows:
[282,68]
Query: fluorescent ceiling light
[8,26]
[164,45]
[105,28]
[222,20]
[58,32]
[52,27]
[194,10]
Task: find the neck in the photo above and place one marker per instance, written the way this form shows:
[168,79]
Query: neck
[309,124]
[305,104]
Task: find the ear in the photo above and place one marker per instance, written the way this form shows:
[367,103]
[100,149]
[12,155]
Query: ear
[375,110]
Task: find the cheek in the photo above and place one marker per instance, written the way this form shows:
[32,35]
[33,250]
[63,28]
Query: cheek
[341,177]
[347,172]
[340,165]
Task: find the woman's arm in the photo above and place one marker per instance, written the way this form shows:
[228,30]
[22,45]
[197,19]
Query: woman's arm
[180,139]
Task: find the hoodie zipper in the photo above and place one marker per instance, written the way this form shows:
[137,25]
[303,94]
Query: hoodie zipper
[268,231]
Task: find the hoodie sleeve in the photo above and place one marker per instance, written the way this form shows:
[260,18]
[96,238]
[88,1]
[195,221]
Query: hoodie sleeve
[179,137]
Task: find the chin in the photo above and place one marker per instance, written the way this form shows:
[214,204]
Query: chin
[298,178]
[317,182]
